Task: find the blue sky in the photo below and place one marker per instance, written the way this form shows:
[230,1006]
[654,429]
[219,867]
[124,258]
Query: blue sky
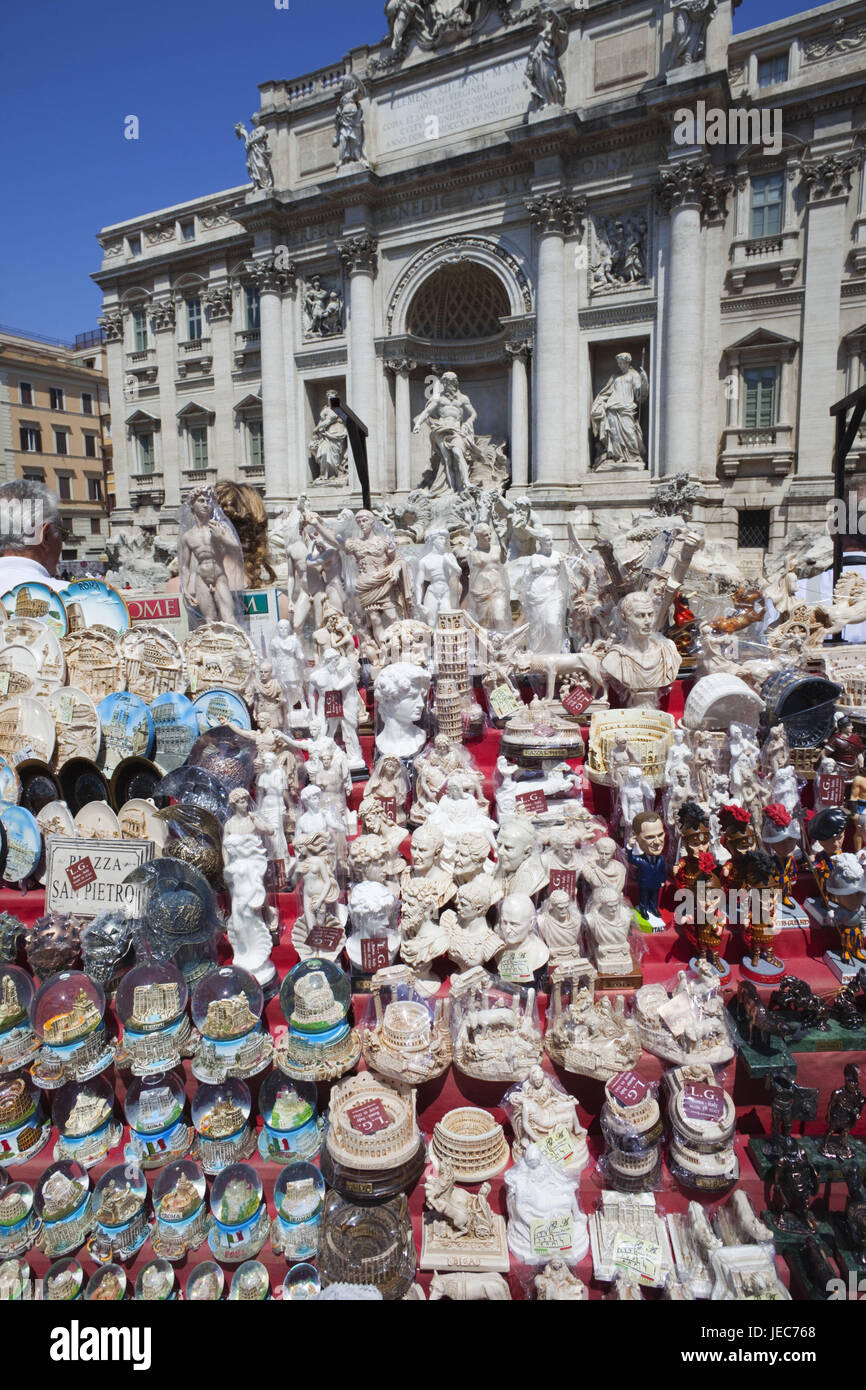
[71,72]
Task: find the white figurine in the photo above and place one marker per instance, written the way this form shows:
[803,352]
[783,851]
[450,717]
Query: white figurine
[601,868]
[290,664]
[544,596]
[608,926]
[540,1195]
[560,924]
[245,865]
[272,803]
[210,559]
[785,789]
[557,1284]
[635,795]
[745,757]
[372,911]
[524,952]
[541,1113]
[470,939]
[642,663]
[489,596]
[401,697]
[328,768]
[678,755]
[519,868]
[334,697]
[438,577]
[457,812]
[676,795]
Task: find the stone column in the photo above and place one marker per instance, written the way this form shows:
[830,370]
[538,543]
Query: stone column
[401,367]
[827,183]
[162,321]
[358,254]
[216,303]
[297,462]
[273,281]
[687,190]
[518,351]
[112,325]
[554,215]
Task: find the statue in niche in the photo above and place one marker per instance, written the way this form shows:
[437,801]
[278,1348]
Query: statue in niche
[323,310]
[329,448]
[465,460]
[621,252]
[432,24]
[614,417]
[258,155]
[349,123]
[543,72]
[691,21]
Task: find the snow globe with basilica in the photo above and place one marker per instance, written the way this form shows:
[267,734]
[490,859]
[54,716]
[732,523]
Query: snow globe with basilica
[23,1130]
[292,1127]
[182,1217]
[158,1132]
[68,1015]
[241,1225]
[121,1209]
[221,1116]
[227,1009]
[320,1043]
[151,1004]
[83,1114]
[19,1222]
[299,1197]
[62,1200]
[19,1044]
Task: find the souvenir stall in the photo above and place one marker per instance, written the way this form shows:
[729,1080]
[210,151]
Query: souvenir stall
[471,920]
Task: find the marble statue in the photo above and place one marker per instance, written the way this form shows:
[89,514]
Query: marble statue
[620,248]
[464,458]
[401,698]
[320,891]
[245,865]
[382,586]
[269,698]
[289,662]
[336,631]
[349,123]
[323,310]
[635,794]
[428,877]
[543,72]
[437,582]
[258,155]
[642,662]
[557,1284]
[334,697]
[608,926]
[389,784]
[524,951]
[210,559]
[471,941]
[560,924]
[519,868]
[402,16]
[472,861]
[328,768]
[433,768]
[544,596]
[272,803]
[329,448]
[614,417]
[372,912]
[457,813]
[691,21]
[785,790]
[538,1190]
[601,868]
[678,755]
[286,536]
[324,578]
[488,598]
[745,757]
[539,1107]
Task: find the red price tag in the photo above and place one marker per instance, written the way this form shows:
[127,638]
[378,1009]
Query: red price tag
[577,700]
[389,807]
[703,1102]
[535,802]
[374,953]
[370,1117]
[325,938]
[628,1088]
[333,704]
[565,881]
[81,873]
[831,788]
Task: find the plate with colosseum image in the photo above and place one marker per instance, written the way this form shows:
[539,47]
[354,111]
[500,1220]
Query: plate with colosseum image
[76,722]
[43,644]
[219,657]
[36,601]
[89,602]
[26,730]
[153,661]
[94,663]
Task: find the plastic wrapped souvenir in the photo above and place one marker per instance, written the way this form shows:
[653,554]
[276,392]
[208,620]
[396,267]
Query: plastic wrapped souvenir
[67,1013]
[544,1215]
[583,1036]
[632,1127]
[299,1198]
[543,1113]
[178,919]
[494,1027]
[83,1112]
[409,1039]
[158,1132]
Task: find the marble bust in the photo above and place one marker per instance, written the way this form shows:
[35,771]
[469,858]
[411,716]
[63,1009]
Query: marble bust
[401,695]
[643,662]
[608,924]
[523,952]
[519,867]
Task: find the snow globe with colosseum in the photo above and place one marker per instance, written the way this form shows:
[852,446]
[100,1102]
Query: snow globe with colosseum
[320,1043]
[19,1044]
[68,1015]
[62,1201]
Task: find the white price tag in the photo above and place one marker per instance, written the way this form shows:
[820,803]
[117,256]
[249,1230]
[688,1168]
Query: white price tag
[552,1235]
[558,1145]
[641,1258]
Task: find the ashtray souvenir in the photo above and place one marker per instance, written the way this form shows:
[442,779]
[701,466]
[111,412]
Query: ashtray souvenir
[221,1116]
[93,664]
[62,1201]
[299,1198]
[93,603]
[34,600]
[320,1044]
[175,726]
[23,1131]
[292,1128]
[368,1245]
[227,1009]
[179,1203]
[219,706]
[240,1216]
[83,1113]
[127,728]
[68,1015]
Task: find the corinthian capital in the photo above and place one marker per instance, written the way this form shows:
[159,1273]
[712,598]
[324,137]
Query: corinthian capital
[696,182]
[830,176]
[400,365]
[111,323]
[273,273]
[162,315]
[556,212]
[218,302]
[359,252]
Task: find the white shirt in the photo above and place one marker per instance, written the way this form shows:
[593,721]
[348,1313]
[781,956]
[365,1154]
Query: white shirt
[18,569]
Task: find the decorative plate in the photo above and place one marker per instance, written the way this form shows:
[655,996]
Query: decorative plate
[221,707]
[176,729]
[24,844]
[26,729]
[37,601]
[153,661]
[97,821]
[94,664]
[92,602]
[127,728]
[219,657]
[43,643]
[79,732]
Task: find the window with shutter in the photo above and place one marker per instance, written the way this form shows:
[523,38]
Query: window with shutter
[759,398]
[767,192]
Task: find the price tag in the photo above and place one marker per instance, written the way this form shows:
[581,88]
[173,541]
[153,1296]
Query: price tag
[333,704]
[831,788]
[558,1145]
[564,881]
[370,1117]
[389,807]
[642,1258]
[325,938]
[4,682]
[628,1088]
[27,751]
[514,967]
[374,953]
[81,873]
[505,701]
[551,1235]
[65,708]
[703,1102]
[577,700]
[193,679]
[533,803]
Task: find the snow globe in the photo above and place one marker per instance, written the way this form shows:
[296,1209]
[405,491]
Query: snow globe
[250,1284]
[301,1284]
[64,1282]
[299,1197]
[107,1285]
[158,1131]
[237,1204]
[205,1283]
[123,1219]
[18,1042]
[227,1010]
[320,1043]
[19,1223]
[23,1131]
[67,1013]
[15,1286]
[83,1114]
[292,1128]
[151,1004]
[182,1218]
[221,1116]
[62,1201]
[155,1282]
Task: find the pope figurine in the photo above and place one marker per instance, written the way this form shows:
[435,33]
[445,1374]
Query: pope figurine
[645,851]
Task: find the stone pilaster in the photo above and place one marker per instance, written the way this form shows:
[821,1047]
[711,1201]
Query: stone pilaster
[518,351]
[359,256]
[273,279]
[555,215]
[401,367]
